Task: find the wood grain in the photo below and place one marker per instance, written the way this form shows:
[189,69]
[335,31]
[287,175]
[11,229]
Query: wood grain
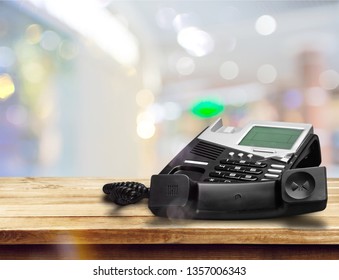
[73,211]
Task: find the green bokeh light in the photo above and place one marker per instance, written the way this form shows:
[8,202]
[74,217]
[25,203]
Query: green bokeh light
[207,108]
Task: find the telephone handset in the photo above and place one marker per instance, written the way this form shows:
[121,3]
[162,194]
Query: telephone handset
[263,170]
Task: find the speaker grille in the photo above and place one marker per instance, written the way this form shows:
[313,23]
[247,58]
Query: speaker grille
[172,190]
[207,150]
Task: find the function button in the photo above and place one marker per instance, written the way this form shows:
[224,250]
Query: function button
[231,154]
[212,180]
[225,181]
[217,174]
[249,156]
[240,155]
[241,162]
[273,176]
[253,170]
[215,180]
[222,167]
[248,178]
[276,171]
[279,166]
[238,169]
[233,176]
[227,161]
[258,164]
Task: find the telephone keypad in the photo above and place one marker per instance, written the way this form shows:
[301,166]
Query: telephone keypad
[239,166]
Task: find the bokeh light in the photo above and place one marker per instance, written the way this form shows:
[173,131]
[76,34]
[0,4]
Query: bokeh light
[158,112]
[50,40]
[267,74]
[229,70]
[207,108]
[33,33]
[265,25]
[33,72]
[7,87]
[145,125]
[329,79]
[172,110]
[68,50]
[145,130]
[195,41]
[144,98]
[185,66]
[292,99]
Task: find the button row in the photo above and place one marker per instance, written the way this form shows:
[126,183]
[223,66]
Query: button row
[274,172]
[231,175]
[240,155]
[259,164]
[215,180]
[236,168]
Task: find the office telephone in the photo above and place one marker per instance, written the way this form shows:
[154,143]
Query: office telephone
[263,170]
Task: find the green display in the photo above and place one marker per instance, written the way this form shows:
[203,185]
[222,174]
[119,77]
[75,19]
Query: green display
[271,137]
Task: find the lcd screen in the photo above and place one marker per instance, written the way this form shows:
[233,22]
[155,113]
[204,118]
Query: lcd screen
[271,137]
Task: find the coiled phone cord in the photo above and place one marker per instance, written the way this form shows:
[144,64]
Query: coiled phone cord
[124,193]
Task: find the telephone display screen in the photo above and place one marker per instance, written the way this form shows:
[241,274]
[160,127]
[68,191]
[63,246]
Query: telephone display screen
[271,137]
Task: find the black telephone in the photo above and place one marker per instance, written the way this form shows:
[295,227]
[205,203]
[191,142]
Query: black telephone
[263,170]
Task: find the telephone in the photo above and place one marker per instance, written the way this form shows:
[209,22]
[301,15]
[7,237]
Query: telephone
[263,170]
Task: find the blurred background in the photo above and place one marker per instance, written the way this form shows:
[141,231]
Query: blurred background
[117,88]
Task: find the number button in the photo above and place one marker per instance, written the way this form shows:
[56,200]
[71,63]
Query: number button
[233,176]
[253,170]
[248,178]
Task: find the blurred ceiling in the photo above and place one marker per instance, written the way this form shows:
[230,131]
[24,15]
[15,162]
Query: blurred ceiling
[198,45]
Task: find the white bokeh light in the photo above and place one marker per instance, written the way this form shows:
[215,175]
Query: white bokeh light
[267,74]
[195,41]
[229,70]
[185,66]
[265,25]
[144,98]
[145,125]
[329,79]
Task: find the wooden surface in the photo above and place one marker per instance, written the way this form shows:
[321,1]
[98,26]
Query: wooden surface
[72,212]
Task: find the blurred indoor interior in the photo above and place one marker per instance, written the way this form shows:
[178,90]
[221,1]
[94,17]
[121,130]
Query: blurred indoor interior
[117,88]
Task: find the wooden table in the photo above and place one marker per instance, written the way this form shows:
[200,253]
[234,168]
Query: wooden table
[68,218]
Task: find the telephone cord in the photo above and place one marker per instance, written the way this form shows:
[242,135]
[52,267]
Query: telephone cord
[124,193]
